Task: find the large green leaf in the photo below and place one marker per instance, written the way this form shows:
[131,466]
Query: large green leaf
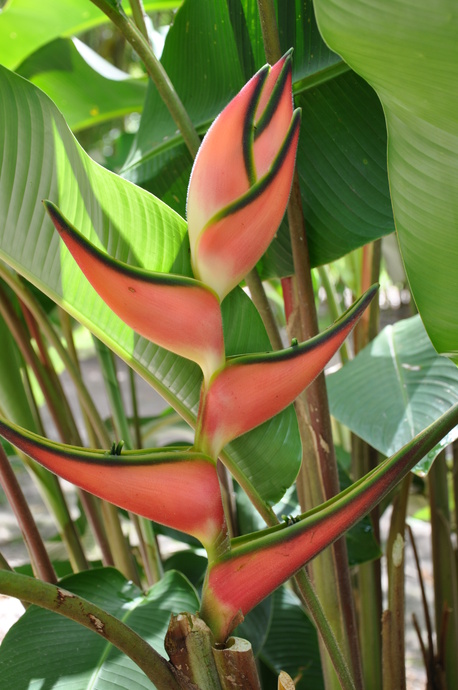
[413,386]
[409,53]
[292,644]
[43,160]
[83,95]
[341,157]
[26,25]
[44,649]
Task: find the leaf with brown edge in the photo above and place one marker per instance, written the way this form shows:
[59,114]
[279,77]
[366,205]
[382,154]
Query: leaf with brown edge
[176,312]
[176,487]
[253,388]
[233,585]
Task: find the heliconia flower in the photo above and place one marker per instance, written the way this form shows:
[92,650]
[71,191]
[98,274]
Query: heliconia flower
[252,388]
[175,312]
[241,179]
[175,487]
[233,585]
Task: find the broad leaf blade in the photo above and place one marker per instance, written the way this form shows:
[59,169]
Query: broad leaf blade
[341,158]
[26,25]
[414,70]
[292,643]
[83,96]
[39,650]
[414,387]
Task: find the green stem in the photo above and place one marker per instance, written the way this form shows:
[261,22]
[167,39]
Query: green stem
[259,297]
[117,407]
[364,459]
[333,306]
[122,555]
[19,332]
[444,568]
[41,563]
[138,13]
[155,70]
[135,415]
[53,339]
[189,643]
[269,28]
[396,591]
[322,624]
[123,559]
[152,559]
[49,483]
[56,599]
[91,504]
[318,478]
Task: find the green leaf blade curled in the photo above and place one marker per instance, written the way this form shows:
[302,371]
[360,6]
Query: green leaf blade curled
[409,54]
[414,387]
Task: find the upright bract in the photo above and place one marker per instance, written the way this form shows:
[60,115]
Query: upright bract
[241,179]
[251,389]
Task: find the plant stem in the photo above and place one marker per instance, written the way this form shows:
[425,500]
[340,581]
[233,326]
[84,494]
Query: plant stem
[333,306]
[138,13]
[327,634]
[90,503]
[41,563]
[70,363]
[395,554]
[155,70]
[318,477]
[262,304]
[135,415]
[123,559]
[269,28]
[48,483]
[236,665]
[56,599]
[189,643]
[444,568]
[428,653]
[364,459]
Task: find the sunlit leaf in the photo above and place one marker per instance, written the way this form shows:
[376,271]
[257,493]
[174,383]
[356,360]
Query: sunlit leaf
[414,387]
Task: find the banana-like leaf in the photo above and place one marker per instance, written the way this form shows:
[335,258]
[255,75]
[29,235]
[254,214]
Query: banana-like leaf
[175,487]
[414,387]
[42,160]
[26,26]
[84,96]
[408,52]
[233,586]
[342,145]
[44,649]
[252,388]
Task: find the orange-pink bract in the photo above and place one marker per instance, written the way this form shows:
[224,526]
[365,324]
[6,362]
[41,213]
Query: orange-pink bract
[177,488]
[241,179]
[253,388]
[242,577]
[175,312]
